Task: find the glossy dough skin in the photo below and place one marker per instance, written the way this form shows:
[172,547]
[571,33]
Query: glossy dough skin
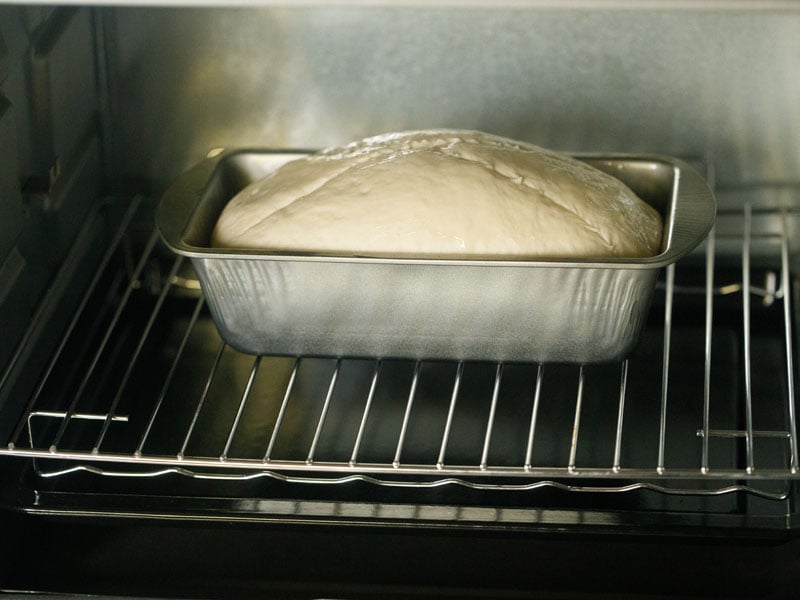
[440,194]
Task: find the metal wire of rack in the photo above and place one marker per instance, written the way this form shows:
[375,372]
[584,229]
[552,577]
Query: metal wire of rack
[102,406]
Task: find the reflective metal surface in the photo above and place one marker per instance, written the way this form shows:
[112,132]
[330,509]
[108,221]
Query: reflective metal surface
[710,79]
[718,82]
[565,310]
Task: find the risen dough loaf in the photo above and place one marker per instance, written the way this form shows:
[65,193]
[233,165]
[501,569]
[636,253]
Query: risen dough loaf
[441,193]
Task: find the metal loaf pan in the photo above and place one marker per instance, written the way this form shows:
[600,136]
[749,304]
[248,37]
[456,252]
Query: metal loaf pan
[576,310]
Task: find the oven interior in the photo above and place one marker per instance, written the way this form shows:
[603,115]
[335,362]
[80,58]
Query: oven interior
[119,401]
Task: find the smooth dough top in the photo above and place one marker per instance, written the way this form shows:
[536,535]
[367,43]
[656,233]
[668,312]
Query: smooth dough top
[443,194]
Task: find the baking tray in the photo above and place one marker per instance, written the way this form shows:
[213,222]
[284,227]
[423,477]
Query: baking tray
[559,310]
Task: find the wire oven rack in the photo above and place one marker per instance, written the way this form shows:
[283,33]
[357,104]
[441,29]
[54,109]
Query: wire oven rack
[140,385]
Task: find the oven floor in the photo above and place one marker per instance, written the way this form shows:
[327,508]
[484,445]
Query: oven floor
[152,558]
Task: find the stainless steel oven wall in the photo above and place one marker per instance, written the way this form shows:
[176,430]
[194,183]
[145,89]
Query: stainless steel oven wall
[50,150]
[719,81]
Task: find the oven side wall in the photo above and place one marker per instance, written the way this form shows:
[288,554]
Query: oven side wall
[50,152]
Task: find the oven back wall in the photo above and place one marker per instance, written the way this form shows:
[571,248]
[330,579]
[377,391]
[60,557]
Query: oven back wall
[715,83]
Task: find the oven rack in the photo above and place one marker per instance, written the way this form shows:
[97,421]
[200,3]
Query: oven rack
[105,413]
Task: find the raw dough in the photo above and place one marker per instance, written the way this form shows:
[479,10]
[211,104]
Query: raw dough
[441,193]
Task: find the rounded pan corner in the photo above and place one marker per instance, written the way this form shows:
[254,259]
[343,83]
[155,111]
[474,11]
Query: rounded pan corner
[180,204]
